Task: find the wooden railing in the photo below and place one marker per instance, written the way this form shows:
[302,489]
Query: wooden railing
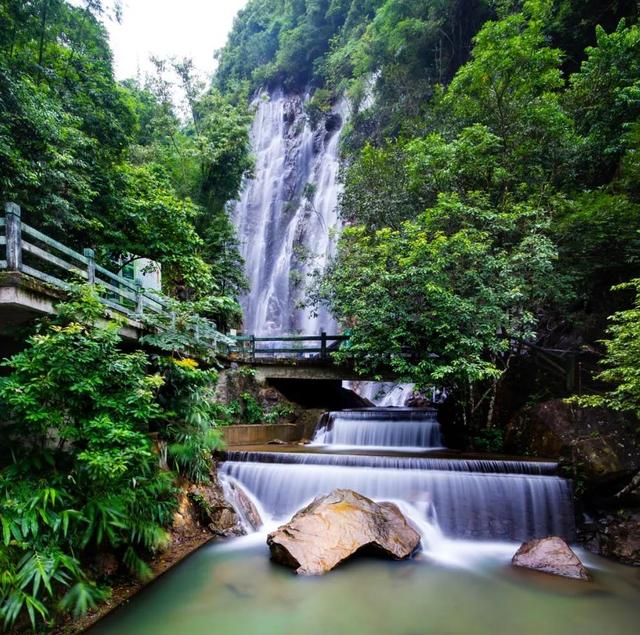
[31,252]
[250,347]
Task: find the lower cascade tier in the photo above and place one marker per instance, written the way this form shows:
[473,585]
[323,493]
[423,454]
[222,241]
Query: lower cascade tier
[471,505]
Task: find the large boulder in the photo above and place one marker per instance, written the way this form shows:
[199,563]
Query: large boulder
[336,526]
[550,555]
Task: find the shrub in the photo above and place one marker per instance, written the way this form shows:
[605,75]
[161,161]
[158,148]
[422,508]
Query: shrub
[78,470]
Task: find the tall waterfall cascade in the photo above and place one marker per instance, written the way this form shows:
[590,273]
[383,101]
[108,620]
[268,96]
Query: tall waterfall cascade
[287,214]
[286,221]
[449,498]
[287,224]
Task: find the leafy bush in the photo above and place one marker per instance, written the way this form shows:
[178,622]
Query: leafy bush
[190,427]
[280,411]
[489,440]
[252,410]
[621,361]
[78,471]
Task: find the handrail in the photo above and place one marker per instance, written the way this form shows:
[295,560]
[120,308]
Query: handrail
[124,296]
[246,346]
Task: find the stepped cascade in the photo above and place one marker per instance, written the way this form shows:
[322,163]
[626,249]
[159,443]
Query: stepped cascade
[447,497]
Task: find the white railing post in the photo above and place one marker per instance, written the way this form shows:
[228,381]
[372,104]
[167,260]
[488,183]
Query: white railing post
[139,298]
[14,236]
[90,255]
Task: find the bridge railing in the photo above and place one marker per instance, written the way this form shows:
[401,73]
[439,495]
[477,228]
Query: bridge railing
[251,347]
[29,251]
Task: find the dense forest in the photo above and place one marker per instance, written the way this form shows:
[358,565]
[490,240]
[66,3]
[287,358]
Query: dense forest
[490,168]
[115,166]
[120,168]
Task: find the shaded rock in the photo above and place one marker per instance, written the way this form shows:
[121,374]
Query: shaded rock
[243,505]
[186,517]
[270,395]
[336,526]
[550,555]
[617,536]
[213,509]
[599,444]
[105,565]
[418,400]
[332,122]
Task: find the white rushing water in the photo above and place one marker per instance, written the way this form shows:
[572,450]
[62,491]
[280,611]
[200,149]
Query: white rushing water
[447,498]
[287,214]
[392,428]
[383,394]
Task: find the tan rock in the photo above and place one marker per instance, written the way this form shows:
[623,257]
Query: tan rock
[336,526]
[550,555]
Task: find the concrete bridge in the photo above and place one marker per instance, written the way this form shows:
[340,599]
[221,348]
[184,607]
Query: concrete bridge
[36,272]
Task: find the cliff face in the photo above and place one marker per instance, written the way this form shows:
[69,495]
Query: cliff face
[287,211]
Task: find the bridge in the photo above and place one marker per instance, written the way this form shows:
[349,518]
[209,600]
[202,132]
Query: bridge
[36,271]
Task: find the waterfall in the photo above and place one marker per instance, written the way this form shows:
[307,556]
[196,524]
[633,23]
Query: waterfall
[464,504]
[486,466]
[286,213]
[381,428]
[381,393]
[284,221]
[447,498]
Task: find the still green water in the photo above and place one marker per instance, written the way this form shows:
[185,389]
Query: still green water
[235,589]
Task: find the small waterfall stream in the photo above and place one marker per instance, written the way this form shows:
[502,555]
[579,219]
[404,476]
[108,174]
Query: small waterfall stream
[411,430]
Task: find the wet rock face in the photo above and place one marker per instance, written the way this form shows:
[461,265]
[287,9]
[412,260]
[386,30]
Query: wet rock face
[336,526]
[604,446]
[243,506]
[550,555]
[224,510]
[617,536]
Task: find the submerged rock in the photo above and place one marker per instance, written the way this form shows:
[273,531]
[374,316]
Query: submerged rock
[550,555]
[336,526]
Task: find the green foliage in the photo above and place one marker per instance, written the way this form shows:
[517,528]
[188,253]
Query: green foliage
[190,417]
[278,412]
[183,330]
[605,97]
[621,360]
[489,440]
[377,192]
[112,166]
[252,411]
[444,299]
[79,473]
[530,189]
